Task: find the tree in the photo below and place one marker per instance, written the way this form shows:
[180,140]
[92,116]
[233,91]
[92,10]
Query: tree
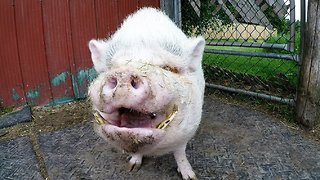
[308,97]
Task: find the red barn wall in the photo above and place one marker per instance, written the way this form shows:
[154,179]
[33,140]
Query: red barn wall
[44,58]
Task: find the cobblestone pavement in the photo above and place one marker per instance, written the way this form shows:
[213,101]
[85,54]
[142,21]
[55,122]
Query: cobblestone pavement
[232,142]
[17,160]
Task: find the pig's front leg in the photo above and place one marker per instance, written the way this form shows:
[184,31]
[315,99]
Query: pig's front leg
[135,162]
[184,166]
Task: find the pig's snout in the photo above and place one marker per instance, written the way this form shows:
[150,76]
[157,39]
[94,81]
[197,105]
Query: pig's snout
[126,87]
[132,81]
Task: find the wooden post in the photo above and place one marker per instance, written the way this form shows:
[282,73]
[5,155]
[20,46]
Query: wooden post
[308,97]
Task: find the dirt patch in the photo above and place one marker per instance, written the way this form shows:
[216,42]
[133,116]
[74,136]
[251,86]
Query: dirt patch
[282,112]
[276,85]
[316,132]
[47,119]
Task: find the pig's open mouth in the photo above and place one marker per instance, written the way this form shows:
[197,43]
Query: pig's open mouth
[133,130]
[131,118]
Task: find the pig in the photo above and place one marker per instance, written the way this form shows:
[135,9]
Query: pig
[148,94]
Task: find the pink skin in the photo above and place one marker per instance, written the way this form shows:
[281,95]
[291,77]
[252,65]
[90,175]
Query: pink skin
[130,88]
[125,98]
[122,84]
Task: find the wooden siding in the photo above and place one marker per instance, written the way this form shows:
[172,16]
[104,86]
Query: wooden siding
[44,58]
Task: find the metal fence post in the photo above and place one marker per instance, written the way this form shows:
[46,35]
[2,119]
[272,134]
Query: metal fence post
[292,26]
[173,9]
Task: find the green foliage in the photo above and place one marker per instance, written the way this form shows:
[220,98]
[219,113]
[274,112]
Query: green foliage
[284,38]
[281,24]
[208,18]
[5,110]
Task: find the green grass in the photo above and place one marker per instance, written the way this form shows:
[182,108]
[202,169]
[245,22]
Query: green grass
[245,49]
[284,39]
[265,68]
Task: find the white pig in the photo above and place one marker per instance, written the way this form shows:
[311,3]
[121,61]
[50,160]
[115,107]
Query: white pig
[148,95]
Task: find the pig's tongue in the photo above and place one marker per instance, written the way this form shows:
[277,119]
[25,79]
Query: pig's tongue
[134,119]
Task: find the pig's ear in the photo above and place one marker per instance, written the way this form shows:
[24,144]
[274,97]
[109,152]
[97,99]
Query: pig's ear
[195,52]
[98,49]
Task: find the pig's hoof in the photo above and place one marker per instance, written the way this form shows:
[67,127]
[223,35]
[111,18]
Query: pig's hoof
[135,163]
[187,174]
[133,167]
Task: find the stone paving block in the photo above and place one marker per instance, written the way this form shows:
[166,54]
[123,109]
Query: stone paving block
[79,154]
[17,160]
[243,143]
[232,143]
[20,115]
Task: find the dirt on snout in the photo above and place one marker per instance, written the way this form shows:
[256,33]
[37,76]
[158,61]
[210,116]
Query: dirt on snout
[47,119]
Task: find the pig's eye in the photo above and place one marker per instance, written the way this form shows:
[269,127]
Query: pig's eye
[170,68]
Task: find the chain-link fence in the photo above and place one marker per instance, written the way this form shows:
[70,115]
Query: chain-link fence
[252,45]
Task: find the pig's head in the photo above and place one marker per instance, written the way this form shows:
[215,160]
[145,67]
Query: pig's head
[141,91]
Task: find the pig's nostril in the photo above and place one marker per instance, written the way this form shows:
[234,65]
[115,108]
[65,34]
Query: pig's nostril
[112,83]
[135,83]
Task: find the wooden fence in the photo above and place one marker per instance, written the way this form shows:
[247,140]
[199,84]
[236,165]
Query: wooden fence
[44,58]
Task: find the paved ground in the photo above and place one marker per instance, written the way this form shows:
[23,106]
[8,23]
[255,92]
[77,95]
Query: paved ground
[232,143]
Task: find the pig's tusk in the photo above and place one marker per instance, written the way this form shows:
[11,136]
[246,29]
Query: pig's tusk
[98,118]
[168,120]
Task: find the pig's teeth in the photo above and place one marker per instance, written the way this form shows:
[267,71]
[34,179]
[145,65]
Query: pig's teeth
[168,120]
[98,118]
[101,121]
